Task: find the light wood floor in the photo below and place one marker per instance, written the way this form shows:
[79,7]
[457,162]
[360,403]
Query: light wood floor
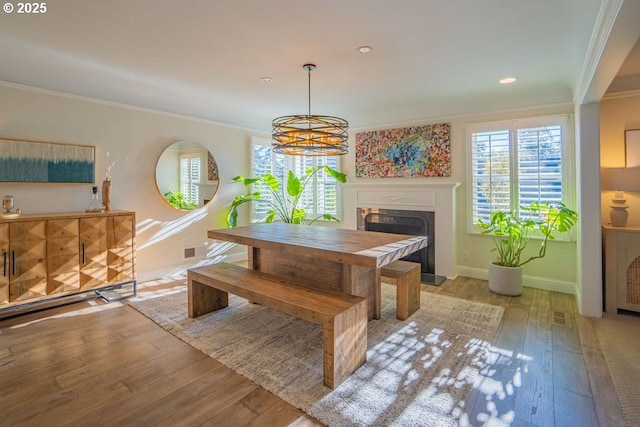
[94,364]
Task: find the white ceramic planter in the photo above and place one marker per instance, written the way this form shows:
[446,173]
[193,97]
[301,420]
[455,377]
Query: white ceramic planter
[505,280]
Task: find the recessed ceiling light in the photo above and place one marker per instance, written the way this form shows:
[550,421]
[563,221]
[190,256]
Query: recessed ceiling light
[507,80]
[266,79]
[365,49]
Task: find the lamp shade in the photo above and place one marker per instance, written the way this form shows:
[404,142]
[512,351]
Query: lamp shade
[621,179]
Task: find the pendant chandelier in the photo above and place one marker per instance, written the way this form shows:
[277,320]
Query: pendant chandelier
[307,135]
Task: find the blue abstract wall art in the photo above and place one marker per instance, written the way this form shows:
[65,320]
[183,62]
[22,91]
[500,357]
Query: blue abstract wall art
[34,161]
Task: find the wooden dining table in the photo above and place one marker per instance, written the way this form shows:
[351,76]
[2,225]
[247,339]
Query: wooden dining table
[327,257]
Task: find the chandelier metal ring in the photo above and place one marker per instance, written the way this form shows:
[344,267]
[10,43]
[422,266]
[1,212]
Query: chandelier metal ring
[310,135]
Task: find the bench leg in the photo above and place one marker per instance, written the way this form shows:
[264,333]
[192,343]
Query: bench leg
[345,344]
[408,294]
[204,299]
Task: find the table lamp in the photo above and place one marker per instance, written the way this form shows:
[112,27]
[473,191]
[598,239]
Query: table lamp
[619,180]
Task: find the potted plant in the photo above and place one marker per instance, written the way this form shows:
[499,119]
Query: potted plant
[178,200]
[511,235]
[284,203]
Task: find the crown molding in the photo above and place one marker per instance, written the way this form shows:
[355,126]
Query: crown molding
[601,32]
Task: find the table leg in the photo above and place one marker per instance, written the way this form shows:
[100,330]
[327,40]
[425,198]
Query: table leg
[203,299]
[253,258]
[364,282]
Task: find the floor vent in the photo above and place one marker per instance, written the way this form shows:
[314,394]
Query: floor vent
[189,252]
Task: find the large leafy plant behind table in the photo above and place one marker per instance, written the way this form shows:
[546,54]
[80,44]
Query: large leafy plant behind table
[285,200]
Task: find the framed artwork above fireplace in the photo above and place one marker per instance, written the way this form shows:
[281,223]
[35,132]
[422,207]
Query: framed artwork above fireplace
[417,151]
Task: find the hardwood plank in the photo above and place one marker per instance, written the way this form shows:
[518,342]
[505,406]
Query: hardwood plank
[146,393]
[194,403]
[58,408]
[573,409]
[534,401]
[570,373]
[604,395]
[278,414]
[142,390]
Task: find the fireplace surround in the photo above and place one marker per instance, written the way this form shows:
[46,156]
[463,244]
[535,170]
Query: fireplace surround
[423,195]
[419,223]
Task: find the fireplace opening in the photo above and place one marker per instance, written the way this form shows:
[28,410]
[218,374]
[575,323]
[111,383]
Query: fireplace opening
[416,223]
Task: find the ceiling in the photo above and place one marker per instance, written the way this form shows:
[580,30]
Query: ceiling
[205,59]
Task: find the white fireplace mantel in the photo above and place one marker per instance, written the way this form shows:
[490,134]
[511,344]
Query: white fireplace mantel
[437,197]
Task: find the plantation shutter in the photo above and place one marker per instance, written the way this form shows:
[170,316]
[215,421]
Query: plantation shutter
[515,163]
[490,172]
[264,161]
[327,188]
[320,196]
[190,172]
[540,165]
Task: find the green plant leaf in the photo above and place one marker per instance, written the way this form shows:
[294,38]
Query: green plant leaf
[511,230]
[283,205]
[298,216]
[246,181]
[270,216]
[179,201]
[339,176]
[232,216]
[294,186]
[271,181]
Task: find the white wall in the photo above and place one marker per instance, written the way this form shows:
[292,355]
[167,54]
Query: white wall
[136,138]
[589,269]
[617,115]
[548,273]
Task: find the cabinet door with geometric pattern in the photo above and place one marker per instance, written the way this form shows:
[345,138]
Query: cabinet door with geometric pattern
[4,259]
[93,252]
[28,260]
[63,271]
[120,248]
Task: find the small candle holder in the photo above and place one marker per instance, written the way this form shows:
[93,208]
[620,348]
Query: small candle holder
[7,204]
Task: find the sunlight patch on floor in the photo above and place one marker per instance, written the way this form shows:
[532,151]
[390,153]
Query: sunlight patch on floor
[498,379]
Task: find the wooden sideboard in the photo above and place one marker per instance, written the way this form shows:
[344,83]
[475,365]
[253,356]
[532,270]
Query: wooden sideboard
[48,256]
[621,250]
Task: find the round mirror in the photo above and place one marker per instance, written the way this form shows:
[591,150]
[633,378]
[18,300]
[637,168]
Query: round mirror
[187,175]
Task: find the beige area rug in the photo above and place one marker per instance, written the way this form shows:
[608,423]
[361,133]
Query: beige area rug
[619,338]
[418,372]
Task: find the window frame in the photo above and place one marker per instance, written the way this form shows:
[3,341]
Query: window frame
[290,165]
[513,125]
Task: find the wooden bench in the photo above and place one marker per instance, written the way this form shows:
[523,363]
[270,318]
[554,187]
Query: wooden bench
[407,277]
[343,317]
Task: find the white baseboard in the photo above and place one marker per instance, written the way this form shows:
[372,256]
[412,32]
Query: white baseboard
[528,281]
[178,271]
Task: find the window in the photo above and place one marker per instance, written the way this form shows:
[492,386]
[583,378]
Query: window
[320,197]
[517,162]
[190,170]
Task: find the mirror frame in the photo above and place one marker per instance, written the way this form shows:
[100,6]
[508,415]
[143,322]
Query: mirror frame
[209,176]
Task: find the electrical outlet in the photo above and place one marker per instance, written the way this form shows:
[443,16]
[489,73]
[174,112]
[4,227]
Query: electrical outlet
[465,254]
